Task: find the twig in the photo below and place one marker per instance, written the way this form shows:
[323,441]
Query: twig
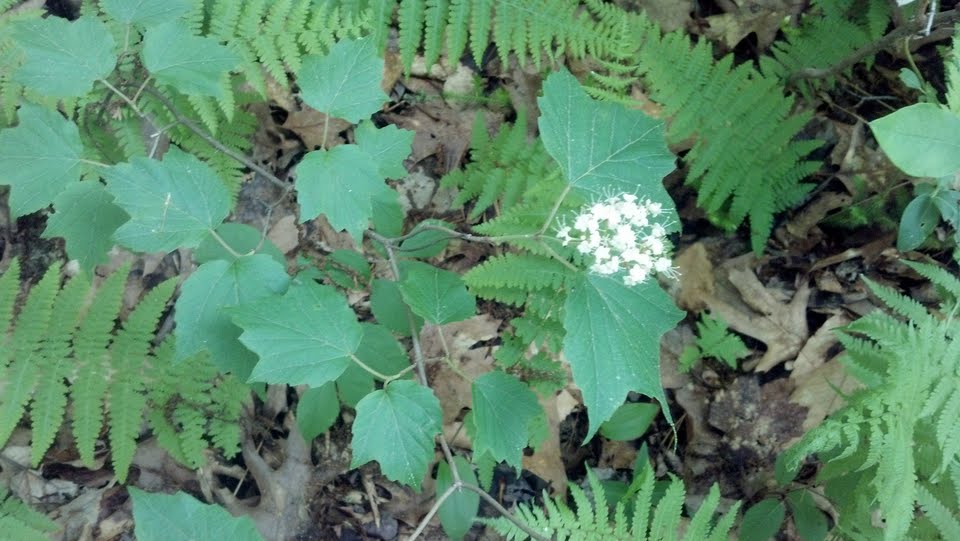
[457,486]
[914,26]
[190,125]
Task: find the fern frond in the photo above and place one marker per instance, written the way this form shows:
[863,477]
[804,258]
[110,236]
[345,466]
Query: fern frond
[826,36]
[9,289]
[20,377]
[90,357]
[128,356]
[591,520]
[18,521]
[900,433]
[50,398]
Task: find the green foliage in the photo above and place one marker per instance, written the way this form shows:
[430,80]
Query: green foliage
[405,414]
[307,336]
[538,29]
[438,296]
[746,163]
[827,34]
[503,168]
[636,517]
[897,440]
[922,140]
[67,335]
[613,342]
[503,408]
[715,341]
[18,521]
[179,516]
[459,511]
[273,38]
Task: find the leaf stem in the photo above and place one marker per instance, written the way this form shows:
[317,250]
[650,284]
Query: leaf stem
[189,124]
[125,98]
[375,373]
[555,209]
[226,246]
[459,485]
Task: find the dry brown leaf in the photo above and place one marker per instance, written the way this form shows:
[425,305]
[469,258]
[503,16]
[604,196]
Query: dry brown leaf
[814,352]
[308,124]
[734,293]
[818,391]
[547,460]
[285,234]
[762,17]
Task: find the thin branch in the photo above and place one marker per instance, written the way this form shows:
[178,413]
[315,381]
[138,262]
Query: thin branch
[124,97]
[912,27]
[190,125]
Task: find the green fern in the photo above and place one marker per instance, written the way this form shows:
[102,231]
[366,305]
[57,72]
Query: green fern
[830,32]
[650,521]
[534,30]
[897,440]
[273,37]
[62,344]
[20,522]
[713,340]
[746,161]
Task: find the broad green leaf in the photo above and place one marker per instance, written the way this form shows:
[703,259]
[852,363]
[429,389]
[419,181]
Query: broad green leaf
[145,12]
[396,426]
[380,351]
[762,521]
[459,510]
[317,410]
[242,238]
[630,421]
[811,523]
[172,203]
[192,64]
[161,517]
[346,82]
[388,147]
[502,410]
[438,296]
[62,58]
[305,337]
[426,243]
[388,215]
[922,139]
[203,324]
[613,342]
[86,217]
[39,158]
[340,184]
[390,310]
[919,218]
[603,147]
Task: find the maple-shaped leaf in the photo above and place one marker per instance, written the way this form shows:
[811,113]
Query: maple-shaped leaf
[346,82]
[437,295]
[86,217]
[160,517]
[603,147]
[396,426]
[39,158]
[305,337]
[63,58]
[192,64]
[340,183]
[613,342]
[172,203]
[202,322]
[502,410]
[387,146]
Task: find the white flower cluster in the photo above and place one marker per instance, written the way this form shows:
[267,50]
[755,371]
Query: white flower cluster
[622,232]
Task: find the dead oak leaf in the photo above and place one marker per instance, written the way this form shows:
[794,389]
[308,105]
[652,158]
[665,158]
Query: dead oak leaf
[734,293]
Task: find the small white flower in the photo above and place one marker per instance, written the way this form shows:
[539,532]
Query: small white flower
[618,232]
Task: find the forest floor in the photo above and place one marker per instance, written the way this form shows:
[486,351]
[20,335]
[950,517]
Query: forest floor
[732,423]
